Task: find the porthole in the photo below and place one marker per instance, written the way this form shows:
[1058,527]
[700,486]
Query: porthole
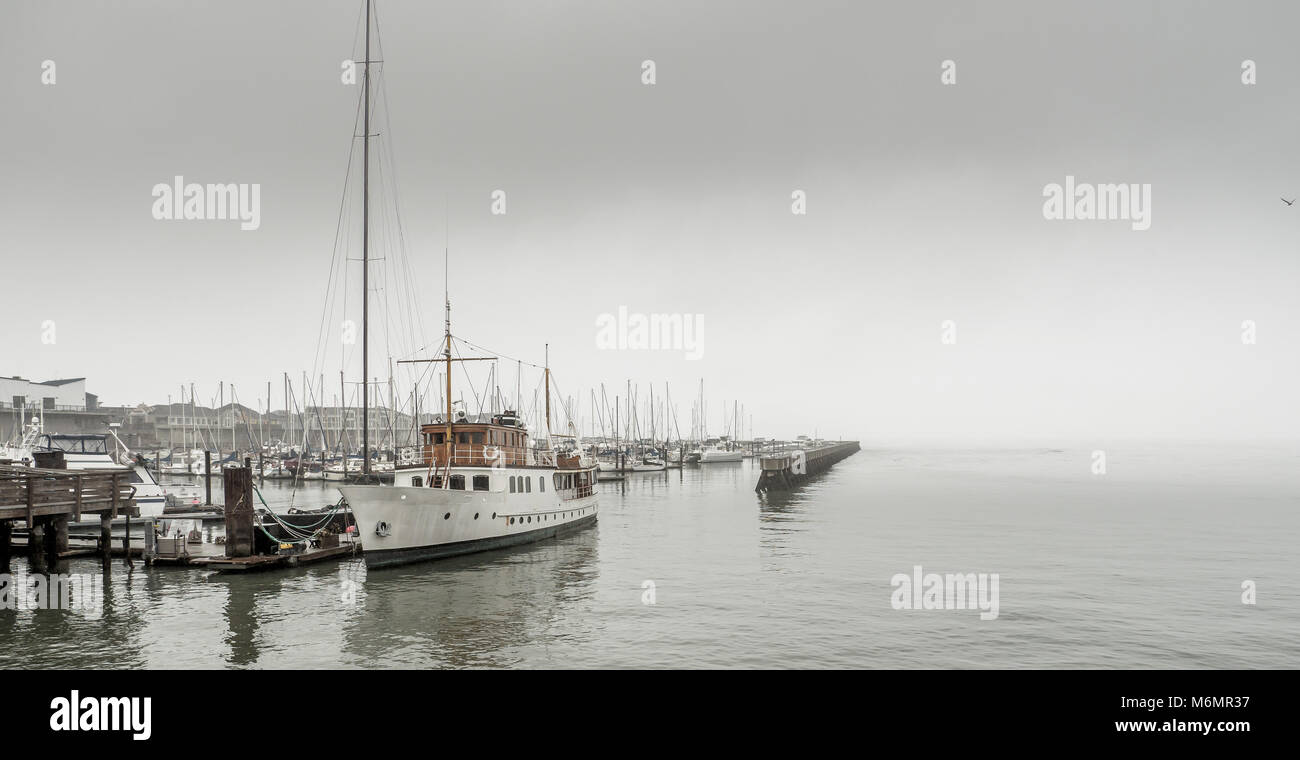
[447,516]
[476,515]
[494,515]
[530,518]
[512,521]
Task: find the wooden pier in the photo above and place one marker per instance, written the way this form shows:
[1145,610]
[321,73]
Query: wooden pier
[787,470]
[47,498]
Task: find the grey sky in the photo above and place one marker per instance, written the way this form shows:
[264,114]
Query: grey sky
[924,201]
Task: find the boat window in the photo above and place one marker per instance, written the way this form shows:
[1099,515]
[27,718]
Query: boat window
[476,438]
[512,484]
[528,485]
[417,482]
[458,482]
[438,438]
[480,482]
[541,484]
[462,438]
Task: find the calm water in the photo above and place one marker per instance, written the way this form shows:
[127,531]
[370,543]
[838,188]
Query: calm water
[1140,567]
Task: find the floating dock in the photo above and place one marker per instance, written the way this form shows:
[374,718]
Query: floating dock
[251,542]
[787,470]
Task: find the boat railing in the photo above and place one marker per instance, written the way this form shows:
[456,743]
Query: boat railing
[474,455]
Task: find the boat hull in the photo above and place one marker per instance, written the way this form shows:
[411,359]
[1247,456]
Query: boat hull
[721,456]
[391,557]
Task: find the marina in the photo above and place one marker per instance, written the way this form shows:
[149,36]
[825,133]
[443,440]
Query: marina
[387,335]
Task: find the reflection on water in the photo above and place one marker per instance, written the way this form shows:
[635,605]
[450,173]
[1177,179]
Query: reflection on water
[1138,570]
[472,611]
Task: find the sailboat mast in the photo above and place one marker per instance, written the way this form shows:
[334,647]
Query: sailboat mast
[365,266]
[447,355]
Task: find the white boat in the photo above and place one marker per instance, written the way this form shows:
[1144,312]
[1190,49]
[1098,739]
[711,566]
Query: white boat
[91,452]
[343,470]
[650,464]
[275,470]
[463,498]
[723,451]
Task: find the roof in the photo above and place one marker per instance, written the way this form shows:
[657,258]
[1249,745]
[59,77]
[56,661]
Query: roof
[61,382]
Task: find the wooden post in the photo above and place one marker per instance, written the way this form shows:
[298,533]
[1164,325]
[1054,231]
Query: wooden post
[207,475]
[6,545]
[126,539]
[105,536]
[150,547]
[36,547]
[30,482]
[56,539]
[238,484]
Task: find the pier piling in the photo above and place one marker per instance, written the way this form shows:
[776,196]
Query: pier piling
[56,540]
[6,544]
[36,547]
[105,536]
[238,484]
[126,543]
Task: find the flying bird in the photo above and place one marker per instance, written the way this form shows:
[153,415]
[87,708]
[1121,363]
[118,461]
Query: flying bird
[1288,202]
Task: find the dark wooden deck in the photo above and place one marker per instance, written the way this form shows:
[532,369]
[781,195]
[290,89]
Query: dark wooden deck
[27,493]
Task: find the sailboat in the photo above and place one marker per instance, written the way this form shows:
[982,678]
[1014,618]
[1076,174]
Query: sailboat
[472,483]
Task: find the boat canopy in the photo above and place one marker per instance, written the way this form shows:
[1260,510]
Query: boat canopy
[74,444]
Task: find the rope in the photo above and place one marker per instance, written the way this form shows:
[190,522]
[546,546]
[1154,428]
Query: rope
[293,530]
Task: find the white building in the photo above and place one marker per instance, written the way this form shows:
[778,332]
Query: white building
[67,395]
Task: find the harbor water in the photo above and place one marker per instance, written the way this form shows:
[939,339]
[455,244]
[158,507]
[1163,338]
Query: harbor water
[1140,566]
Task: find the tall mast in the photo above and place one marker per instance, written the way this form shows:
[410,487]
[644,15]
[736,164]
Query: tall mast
[548,391]
[446,352]
[365,267]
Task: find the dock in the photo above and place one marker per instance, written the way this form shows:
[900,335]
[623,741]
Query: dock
[180,552]
[273,561]
[788,470]
[252,543]
[48,497]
